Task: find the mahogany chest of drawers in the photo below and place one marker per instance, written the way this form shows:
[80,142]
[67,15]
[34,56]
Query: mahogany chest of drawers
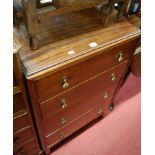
[74,81]
[25,141]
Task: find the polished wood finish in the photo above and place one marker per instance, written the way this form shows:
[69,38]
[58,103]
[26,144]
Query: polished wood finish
[18,103]
[20,122]
[74,125]
[53,56]
[24,135]
[94,96]
[93,85]
[53,83]
[82,71]
[24,147]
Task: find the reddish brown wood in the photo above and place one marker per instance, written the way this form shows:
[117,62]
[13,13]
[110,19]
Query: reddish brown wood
[88,72]
[18,103]
[94,91]
[73,126]
[79,72]
[24,134]
[54,56]
[26,146]
[20,122]
[34,151]
[94,86]
[21,136]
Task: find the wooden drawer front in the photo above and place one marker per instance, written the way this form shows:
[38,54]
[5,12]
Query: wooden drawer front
[73,126]
[20,122]
[18,103]
[34,151]
[22,136]
[62,119]
[83,92]
[51,85]
[86,97]
[25,147]
[15,81]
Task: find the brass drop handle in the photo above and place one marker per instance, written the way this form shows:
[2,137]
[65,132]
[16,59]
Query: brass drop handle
[106,95]
[120,57]
[21,152]
[65,82]
[16,140]
[62,135]
[100,112]
[63,104]
[63,121]
[113,77]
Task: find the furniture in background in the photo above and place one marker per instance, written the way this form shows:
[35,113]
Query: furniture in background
[25,141]
[38,15]
[135,66]
[134,7]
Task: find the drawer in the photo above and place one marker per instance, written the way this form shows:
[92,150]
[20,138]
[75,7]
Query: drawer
[50,85]
[97,91]
[20,122]
[15,81]
[34,151]
[24,148]
[62,119]
[81,121]
[22,136]
[84,91]
[18,103]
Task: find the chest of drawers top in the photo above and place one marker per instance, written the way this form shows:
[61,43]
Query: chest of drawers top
[61,54]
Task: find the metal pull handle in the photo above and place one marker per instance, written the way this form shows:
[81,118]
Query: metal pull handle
[119,57]
[113,77]
[16,140]
[65,82]
[106,95]
[62,135]
[63,121]
[63,104]
[100,111]
[21,152]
